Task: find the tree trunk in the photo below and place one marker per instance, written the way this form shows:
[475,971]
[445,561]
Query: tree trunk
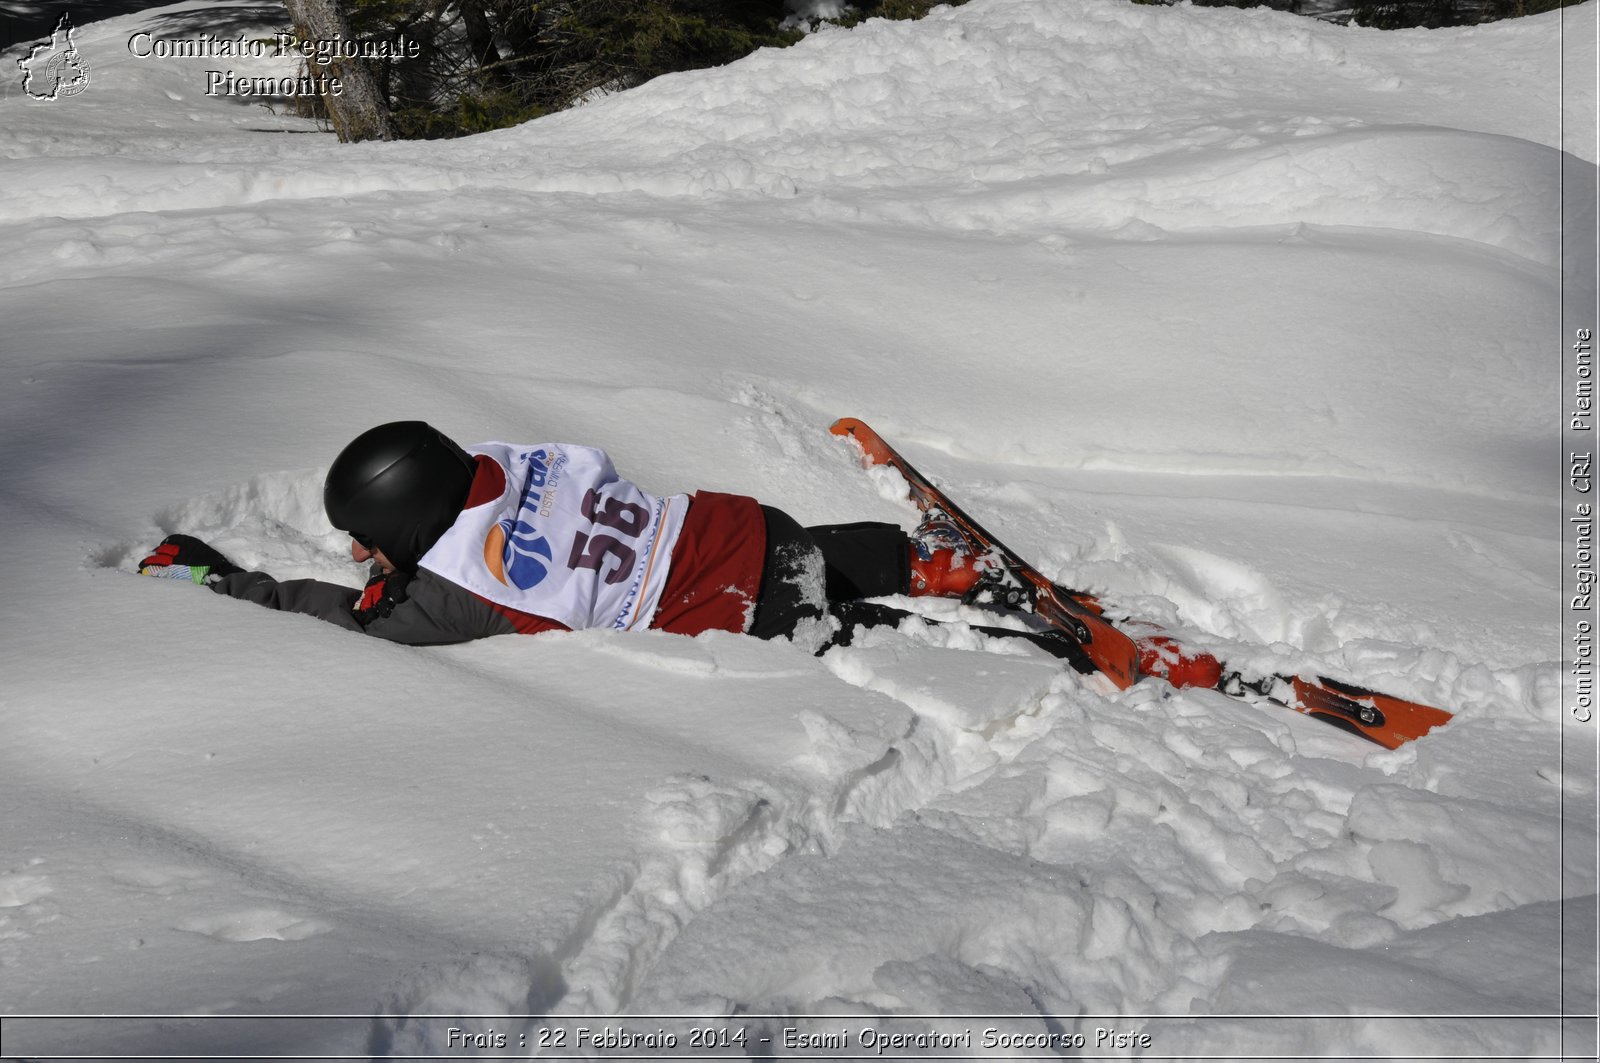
[480,36]
[360,111]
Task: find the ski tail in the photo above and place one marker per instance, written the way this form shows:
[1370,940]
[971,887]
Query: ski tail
[1142,649]
[1389,721]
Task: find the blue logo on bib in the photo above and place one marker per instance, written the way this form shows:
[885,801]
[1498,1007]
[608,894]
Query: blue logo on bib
[517,554]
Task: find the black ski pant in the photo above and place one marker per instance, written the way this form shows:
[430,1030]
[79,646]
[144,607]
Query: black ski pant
[826,570]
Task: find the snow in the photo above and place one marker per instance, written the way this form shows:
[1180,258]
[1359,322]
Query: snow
[1245,322]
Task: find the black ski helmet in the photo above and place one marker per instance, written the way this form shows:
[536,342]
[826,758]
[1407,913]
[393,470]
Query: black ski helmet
[398,486]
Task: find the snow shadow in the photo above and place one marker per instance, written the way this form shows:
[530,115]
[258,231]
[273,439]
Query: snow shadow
[458,993]
[23,22]
[219,22]
[273,522]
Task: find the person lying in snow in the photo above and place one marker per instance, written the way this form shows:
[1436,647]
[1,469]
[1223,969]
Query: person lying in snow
[497,538]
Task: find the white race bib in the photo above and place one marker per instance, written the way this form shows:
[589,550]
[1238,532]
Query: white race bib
[567,539]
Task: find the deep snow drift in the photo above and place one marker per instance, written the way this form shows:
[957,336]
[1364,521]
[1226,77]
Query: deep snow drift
[1237,319]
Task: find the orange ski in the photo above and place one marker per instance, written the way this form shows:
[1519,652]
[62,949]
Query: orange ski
[1112,652]
[1150,651]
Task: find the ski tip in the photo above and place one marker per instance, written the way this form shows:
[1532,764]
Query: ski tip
[874,451]
[846,426]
